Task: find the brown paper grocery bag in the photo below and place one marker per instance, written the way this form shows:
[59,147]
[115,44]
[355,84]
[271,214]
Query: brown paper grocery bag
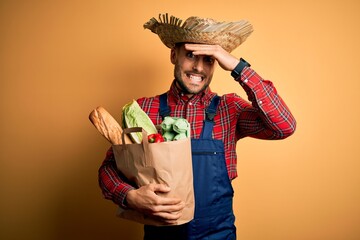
[169,163]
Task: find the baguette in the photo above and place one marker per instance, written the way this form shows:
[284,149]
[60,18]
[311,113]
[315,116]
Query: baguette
[108,126]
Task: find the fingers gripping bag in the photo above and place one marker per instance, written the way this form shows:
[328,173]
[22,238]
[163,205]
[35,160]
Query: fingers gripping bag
[167,162]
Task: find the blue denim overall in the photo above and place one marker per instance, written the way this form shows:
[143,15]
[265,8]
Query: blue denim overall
[213,218]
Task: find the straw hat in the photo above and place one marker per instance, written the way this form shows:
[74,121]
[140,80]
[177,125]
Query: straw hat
[229,35]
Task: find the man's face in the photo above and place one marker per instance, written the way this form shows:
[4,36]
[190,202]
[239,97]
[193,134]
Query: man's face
[193,73]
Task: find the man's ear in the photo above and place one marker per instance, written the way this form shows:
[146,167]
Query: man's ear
[173,55]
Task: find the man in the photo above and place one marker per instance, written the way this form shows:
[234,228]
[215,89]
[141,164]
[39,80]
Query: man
[197,46]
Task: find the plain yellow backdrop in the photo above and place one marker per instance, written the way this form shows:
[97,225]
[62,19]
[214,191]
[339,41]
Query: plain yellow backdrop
[61,59]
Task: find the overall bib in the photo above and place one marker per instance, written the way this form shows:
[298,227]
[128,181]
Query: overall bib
[213,218]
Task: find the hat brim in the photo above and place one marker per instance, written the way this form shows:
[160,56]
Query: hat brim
[229,35]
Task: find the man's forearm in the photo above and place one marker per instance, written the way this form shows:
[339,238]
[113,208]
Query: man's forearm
[112,183]
[278,121]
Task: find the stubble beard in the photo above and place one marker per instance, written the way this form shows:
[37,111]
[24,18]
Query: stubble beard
[182,85]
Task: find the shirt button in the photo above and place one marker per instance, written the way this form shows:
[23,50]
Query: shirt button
[260,102]
[246,80]
[190,103]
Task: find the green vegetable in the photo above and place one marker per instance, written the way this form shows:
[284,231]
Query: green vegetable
[134,116]
[168,136]
[167,124]
[182,126]
[179,136]
[175,128]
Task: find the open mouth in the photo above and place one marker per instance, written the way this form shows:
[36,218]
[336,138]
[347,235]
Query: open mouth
[195,78]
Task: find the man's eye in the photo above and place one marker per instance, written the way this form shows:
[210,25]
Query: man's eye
[190,55]
[209,60]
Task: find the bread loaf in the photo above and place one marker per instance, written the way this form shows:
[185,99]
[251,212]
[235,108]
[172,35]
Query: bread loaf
[108,126]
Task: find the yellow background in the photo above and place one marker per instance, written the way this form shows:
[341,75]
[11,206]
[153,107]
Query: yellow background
[61,59]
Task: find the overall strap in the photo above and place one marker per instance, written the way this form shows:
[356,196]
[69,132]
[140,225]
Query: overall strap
[164,108]
[209,118]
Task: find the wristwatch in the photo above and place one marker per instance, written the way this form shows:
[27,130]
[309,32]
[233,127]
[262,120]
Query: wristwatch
[238,69]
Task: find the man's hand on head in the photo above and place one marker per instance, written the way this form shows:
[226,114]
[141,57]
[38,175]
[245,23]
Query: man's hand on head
[226,61]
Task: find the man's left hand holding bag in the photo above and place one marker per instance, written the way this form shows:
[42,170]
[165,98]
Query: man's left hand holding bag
[148,200]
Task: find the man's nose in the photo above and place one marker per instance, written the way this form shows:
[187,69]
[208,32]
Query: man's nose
[199,64]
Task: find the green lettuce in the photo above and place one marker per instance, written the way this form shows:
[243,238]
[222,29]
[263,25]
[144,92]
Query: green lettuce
[134,116]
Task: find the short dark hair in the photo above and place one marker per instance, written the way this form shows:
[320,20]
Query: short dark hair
[179,44]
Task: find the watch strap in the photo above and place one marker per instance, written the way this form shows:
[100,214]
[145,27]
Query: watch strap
[238,69]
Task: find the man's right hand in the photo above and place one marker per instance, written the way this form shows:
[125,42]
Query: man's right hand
[147,201]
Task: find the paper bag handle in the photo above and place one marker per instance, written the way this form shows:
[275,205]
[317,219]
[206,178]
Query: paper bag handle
[131,130]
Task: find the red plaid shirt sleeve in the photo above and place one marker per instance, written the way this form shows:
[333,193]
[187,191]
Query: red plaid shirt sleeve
[113,184]
[267,117]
